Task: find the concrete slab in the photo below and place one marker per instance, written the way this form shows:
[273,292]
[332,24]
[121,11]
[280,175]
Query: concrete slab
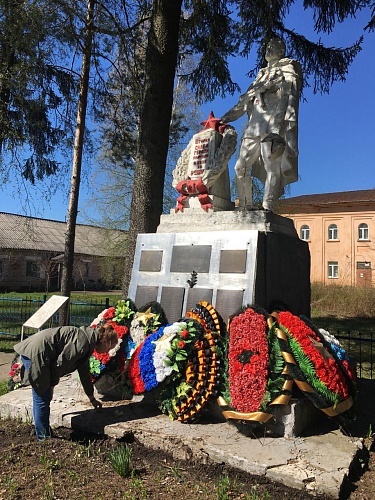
[197,220]
[318,463]
[6,359]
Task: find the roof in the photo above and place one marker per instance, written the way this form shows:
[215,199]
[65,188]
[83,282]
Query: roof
[362,196]
[31,233]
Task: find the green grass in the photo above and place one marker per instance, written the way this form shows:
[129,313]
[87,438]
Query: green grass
[120,459]
[7,343]
[3,387]
[343,309]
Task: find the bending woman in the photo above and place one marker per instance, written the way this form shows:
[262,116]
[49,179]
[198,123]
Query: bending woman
[49,354]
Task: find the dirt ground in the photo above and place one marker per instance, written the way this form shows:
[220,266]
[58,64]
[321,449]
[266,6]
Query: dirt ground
[75,467]
[362,487]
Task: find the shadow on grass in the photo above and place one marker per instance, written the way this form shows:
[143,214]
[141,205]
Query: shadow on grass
[363,424]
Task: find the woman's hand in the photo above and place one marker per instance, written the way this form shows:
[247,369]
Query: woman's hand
[96,404]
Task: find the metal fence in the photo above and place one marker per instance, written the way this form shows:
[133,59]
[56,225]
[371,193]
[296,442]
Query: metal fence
[14,312]
[360,349]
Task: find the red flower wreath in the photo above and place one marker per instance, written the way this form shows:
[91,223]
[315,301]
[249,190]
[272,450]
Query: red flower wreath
[110,313]
[105,358]
[248,358]
[326,368]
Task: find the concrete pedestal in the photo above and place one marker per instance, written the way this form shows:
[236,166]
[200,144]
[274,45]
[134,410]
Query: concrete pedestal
[229,259]
[294,419]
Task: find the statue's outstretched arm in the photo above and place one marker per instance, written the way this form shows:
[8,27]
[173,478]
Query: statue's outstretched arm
[237,111]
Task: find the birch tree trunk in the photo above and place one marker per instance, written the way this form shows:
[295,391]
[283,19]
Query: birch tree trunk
[68,262]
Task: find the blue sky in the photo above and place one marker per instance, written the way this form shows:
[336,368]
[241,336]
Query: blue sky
[336,130]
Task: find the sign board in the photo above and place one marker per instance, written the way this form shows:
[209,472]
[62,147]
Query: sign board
[45,312]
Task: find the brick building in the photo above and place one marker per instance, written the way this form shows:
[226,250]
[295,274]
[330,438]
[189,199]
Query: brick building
[31,253]
[340,230]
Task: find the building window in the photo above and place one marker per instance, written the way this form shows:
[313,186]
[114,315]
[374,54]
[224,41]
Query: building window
[333,269]
[363,265]
[363,232]
[305,233]
[333,233]
[32,269]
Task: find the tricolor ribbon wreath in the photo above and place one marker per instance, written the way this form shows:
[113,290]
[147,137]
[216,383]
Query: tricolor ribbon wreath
[184,361]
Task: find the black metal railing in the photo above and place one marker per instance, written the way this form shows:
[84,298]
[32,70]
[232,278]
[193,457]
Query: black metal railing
[14,312]
[360,349]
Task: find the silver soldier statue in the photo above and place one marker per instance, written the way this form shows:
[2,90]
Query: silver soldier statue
[269,145]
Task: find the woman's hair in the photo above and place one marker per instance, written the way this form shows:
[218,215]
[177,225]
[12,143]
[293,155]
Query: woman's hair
[107,334]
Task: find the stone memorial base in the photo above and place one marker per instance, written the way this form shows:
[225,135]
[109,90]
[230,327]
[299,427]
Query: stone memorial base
[228,259]
[295,419]
[197,220]
[112,387]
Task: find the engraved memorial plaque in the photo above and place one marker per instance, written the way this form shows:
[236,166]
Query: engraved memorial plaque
[188,258]
[233,261]
[151,260]
[204,145]
[172,300]
[145,294]
[228,302]
[196,295]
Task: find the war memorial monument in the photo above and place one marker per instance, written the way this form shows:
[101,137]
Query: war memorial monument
[217,321]
[208,249]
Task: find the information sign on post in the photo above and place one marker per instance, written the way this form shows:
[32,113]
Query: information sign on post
[45,312]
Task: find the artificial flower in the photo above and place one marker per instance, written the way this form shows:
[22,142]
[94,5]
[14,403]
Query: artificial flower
[15,377]
[248,360]
[317,365]
[114,360]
